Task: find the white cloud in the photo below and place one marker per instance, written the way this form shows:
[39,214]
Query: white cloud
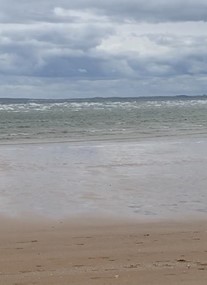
[80,16]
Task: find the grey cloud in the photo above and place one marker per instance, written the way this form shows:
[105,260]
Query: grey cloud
[72,67]
[140,10]
[52,47]
[49,50]
[151,10]
[72,53]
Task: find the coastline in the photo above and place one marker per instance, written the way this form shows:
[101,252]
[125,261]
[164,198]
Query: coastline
[78,248]
[102,252]
[153,178]
[104,139]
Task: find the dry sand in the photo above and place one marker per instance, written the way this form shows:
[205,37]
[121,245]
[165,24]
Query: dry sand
[99,252]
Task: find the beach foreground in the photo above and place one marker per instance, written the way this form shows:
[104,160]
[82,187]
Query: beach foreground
[100,252]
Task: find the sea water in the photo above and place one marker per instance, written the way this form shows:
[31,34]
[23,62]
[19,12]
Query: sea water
[102,118]
[127,158]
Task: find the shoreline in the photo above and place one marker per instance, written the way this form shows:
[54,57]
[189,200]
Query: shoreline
[39,250]
[152,179]
[104,139]
[106,252]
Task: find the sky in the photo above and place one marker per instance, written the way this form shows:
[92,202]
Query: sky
[91,48]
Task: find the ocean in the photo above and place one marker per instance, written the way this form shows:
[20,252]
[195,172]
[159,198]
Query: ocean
[125,158]
[92,119]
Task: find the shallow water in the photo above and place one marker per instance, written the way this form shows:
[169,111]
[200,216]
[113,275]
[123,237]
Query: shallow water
[102,118]
[157,178]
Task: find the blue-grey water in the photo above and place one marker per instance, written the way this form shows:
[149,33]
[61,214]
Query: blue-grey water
[102,118]
[127,158]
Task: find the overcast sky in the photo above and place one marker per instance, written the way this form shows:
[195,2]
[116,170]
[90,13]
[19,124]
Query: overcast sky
[87,48]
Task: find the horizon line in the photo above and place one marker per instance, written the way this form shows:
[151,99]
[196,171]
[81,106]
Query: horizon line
[102,97]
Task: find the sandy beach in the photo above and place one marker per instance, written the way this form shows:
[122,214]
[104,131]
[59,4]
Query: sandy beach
[149,203]
[101,252]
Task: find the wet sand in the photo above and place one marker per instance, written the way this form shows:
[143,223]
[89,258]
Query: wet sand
[102,252]
[152,179]
[138,190]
